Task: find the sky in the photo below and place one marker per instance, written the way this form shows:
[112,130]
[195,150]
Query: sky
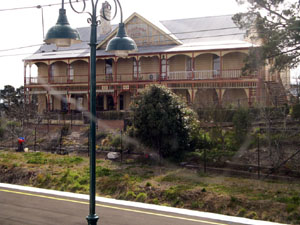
[23,27]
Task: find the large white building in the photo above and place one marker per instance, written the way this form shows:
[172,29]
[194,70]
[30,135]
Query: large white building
[200,59]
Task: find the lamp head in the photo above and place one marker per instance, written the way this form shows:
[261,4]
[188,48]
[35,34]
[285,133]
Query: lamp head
[62,34]
[121,45]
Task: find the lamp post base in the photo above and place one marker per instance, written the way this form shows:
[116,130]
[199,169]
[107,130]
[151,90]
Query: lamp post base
[92,219]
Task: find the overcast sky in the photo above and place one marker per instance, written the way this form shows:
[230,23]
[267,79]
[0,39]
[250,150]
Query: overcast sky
[23,27]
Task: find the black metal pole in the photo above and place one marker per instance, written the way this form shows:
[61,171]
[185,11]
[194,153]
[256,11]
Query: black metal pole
[35,139]
[92,218]
[258,159]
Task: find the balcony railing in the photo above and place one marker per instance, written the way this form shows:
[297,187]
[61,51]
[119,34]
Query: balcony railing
[104,77]
[145,77]
[180,75]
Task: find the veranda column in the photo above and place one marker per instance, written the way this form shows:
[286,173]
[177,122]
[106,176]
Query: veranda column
[221,64]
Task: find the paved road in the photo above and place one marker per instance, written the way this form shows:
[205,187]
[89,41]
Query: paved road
[29,208]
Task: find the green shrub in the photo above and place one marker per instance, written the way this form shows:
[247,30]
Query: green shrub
[241,122]
[242,212]
[35,158]
[177,202]
[2,132]
[141,197]
[66,160]
[196,205]
[290,207]
[171,194]
[130,195]
[44,180]
[252,215]
[155,201]
[101,172]
[115,184]
[296,111]
[116,141]
[294,217]
[234,201]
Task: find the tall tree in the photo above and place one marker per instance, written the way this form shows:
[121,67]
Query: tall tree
[276,23]
[8,95]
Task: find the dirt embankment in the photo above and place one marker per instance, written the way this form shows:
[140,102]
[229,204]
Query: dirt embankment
[197,198]
[16,175]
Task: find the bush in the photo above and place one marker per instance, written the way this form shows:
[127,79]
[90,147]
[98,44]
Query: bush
[102,172]
[116,141]
[2,131]
[162,121]
[241,122]
[65,130]
[141,197]
[35,158]
[130,195]
[296,111]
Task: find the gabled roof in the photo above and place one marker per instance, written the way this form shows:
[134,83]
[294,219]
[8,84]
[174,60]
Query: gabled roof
[155,25]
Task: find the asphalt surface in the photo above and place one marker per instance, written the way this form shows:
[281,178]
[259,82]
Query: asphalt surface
[29,208]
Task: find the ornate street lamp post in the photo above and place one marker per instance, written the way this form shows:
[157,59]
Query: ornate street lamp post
[63,35]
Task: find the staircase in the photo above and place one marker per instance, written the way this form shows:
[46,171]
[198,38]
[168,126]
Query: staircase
[276,93]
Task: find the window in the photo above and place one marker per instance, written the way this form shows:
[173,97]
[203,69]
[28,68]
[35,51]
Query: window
[71,72]
[51,72]
[216,65]
[188,66]
[108,69]
[136,68]
[164,68]
[108,66]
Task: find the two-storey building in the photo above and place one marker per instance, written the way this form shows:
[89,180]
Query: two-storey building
[200,59]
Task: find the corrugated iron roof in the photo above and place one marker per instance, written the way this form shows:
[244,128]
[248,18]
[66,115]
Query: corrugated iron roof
[203,33]
[205,29]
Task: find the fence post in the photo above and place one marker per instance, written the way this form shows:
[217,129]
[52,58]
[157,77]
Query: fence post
[121,149]
[34,147]
[205,160]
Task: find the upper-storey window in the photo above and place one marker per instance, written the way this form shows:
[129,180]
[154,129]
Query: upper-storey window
[108,69]
[108,66]
[188,65]
[51,72]
[136,68]
[71,72]
[164,68]
[216,65]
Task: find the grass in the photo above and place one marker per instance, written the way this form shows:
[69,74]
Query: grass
[170,186]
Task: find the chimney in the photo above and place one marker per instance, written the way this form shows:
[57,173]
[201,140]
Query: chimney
[105,26]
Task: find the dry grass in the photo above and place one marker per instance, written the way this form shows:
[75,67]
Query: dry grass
[173,186]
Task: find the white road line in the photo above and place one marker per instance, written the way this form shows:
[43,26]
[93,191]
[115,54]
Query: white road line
[186,212]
